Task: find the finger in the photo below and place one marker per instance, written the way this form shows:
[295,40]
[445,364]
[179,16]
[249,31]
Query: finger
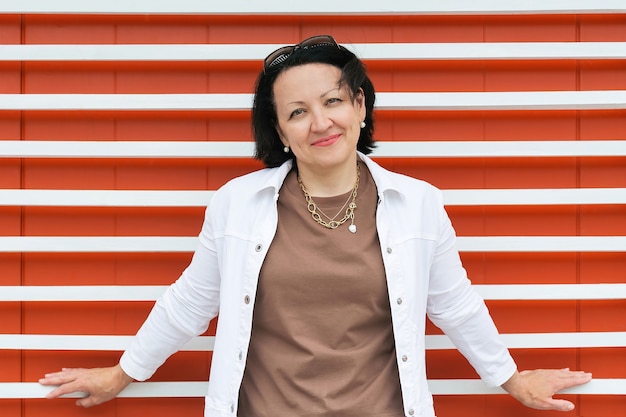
[560,405]
[64,389]
[573,379]
[55,380]
[87,402]
[62,376]
[65,371]
[52,376]
[55,394]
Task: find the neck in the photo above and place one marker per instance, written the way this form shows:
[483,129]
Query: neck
[327,182]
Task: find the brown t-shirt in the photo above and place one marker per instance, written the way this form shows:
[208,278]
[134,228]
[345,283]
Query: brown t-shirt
[322,342]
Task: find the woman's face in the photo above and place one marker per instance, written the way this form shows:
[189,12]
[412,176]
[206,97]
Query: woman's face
[317,119]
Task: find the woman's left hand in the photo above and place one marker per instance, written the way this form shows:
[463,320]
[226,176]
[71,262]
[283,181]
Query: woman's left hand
[536,388]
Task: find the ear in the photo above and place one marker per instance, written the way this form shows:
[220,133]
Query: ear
[281,136]
[359,101]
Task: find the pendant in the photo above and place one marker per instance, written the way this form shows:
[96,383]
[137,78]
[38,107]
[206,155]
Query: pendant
[352,228]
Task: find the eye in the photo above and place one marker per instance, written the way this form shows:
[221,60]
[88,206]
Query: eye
[333,100]
[296,112]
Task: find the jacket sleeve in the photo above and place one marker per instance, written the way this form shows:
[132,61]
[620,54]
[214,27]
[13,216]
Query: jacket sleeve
[455,307]
[182,312]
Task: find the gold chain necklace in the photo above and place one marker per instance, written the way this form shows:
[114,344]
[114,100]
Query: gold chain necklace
[332,223]
[339,212]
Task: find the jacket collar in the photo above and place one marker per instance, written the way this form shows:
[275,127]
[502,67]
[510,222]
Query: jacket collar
[382,178]
[275,177]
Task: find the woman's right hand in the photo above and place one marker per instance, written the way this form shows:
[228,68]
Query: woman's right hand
[100,384]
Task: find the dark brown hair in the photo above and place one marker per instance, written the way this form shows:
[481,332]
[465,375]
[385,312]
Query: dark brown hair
[268,147]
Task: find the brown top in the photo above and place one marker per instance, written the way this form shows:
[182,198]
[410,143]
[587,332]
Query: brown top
[322,342]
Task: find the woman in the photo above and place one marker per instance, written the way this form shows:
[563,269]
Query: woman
[322,268]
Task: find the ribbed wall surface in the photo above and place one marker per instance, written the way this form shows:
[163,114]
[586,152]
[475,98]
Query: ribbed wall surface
[124,75]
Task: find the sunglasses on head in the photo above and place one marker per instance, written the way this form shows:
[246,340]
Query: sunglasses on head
[281,54]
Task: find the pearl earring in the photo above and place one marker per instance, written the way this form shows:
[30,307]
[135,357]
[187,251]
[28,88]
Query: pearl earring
[286,149]
[362,125]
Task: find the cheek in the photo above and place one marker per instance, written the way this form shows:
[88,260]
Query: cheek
[295,135]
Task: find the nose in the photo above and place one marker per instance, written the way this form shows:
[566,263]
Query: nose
[320,122]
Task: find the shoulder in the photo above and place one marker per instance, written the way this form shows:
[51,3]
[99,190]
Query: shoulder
[251,188]
[412,207]
[248,182]
[408,188]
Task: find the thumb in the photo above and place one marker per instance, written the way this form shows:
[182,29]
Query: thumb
[562,405]
[86,402]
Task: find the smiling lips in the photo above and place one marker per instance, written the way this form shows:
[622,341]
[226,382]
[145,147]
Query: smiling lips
[327,141]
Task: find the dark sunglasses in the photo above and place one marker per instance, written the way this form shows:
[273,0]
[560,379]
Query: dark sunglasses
[281,54]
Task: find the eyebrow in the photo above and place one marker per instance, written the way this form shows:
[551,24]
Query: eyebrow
[337,88]
[329,91]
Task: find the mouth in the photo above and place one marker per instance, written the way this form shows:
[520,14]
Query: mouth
[327,141]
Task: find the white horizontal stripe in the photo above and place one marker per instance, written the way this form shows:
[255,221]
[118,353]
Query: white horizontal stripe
[320,7]
[97,244]
[206,343]
[366,51]
[199,389]
[180,198]
[82,293]
[543,244]
[543,100]
[105,198]
[152,292]
[534,100]
[87,343]
[543,340]
[477,387]
[131,149]
[489,51]
[552,291]
[562,196]
[480,149]
[134,390]
[26,244]
[125,101]
[245,149]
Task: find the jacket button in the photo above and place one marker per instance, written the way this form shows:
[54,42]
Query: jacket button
[389,250]
[411,412]
[258,247]
[399,301]
[240,355]
[246,299]
[405,358]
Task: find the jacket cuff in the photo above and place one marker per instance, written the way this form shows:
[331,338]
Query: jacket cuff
[134,370]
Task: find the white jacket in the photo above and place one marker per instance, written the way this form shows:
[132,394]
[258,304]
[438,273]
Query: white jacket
[424,275]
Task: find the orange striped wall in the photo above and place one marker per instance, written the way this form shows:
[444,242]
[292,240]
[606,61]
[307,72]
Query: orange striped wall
[227,77]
